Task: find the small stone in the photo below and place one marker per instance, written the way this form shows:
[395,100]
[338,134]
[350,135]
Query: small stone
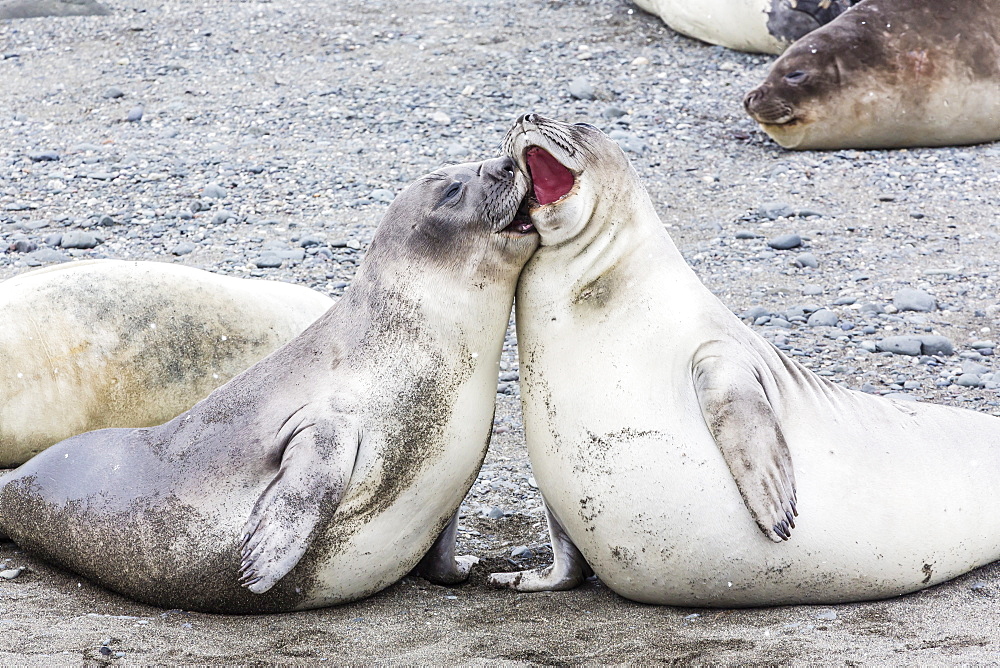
[105,221]
[43,156]
[612,113]
[581,89]
[494,513]
[823,318]
[969,380]
[23,246]
[978,586]
[457,151]
[44,256]
[785,242]
[827,615]
[806,260]
[745,234]
[78,239]
[183,248]
[214,190]
[309,240]
[11,573]
[521,552]
[969,366]
[812,290]
[775,210]
[979,345]
[135,114]
[900,345]
[223,216]
[755,312]
[268,260]
[640,61]
[936,345]
[441,118]
[844,301]
[913,299]
[105,651]
[869,346]
[112,93]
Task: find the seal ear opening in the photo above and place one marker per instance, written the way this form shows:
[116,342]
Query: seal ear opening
[550,180]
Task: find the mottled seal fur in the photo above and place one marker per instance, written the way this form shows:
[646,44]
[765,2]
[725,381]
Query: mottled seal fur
[760,26]
[888,74]
[110,343]
[328,470]
[674,447]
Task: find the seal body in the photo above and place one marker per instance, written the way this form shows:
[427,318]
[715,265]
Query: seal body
[758,26]
[326,471]
[888,74]
[689,462]
[110,343]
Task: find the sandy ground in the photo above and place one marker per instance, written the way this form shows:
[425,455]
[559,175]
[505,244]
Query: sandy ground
[350,92]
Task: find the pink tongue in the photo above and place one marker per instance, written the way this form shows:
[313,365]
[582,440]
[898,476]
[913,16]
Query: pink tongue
[550,179]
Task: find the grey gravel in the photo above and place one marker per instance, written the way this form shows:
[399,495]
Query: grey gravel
[581,89]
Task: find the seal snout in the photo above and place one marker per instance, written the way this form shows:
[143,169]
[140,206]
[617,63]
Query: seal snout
[765,107]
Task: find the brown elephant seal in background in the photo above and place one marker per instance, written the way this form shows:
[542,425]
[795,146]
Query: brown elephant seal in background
[888,74]
[113,343]
[328,470]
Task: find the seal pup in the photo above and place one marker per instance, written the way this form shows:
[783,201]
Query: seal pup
[329,469]
[112,343]
[757,26]
[688,461]
[888,74]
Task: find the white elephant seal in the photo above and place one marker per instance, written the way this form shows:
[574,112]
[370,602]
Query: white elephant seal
[888,74]
[111,343]
[329,469]
[34,9]
[673,446]
[758,26]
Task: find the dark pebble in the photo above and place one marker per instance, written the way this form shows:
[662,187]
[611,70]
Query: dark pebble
[785,242]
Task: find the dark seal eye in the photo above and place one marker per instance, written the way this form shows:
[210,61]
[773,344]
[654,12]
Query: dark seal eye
[796,77]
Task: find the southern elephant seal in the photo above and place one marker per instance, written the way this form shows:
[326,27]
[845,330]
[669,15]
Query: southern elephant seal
[34,9]
[326,471]
[674,447]
[112,343]
[759,26]
[888,74]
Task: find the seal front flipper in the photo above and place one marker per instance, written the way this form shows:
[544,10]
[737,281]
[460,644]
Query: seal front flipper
[440,565]
[744,426]
[568,569]
[316,464]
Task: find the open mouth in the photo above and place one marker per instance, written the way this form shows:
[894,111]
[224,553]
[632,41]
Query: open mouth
[550,180]
[522,219]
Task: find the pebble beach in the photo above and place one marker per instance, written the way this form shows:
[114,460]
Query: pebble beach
[266,139]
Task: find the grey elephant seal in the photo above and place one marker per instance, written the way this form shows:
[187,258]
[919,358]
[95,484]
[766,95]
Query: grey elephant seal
[758,26]
[113,343]
[328,470]
[689,462]
[888,74]
[34,9]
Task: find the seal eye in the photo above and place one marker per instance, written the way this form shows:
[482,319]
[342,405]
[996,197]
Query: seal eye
[796,77]
[453,190]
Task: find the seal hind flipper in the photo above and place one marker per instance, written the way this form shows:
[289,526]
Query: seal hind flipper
[441,565]
[744,426]
[316,465]
[568,570]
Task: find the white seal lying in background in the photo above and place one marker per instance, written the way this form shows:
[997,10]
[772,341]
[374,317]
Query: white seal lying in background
[111,343]
[674,447]
[758,26]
